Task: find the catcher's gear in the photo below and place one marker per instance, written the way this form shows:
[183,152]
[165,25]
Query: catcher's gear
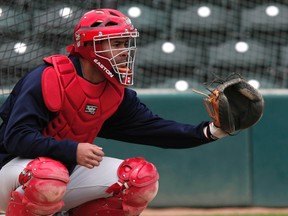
[137,184]
[44,183]
[105,24]
[234,105]
[111,206]
[136,187]
[80,106]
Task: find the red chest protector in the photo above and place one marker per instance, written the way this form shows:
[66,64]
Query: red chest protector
[81,106]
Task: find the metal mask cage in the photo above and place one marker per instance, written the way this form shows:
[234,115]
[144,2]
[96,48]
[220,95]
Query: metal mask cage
[124,70]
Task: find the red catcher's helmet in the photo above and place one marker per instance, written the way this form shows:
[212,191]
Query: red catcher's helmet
[107,24]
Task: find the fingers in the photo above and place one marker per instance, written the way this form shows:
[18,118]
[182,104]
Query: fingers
[95,157]
[97,150]
[89,155]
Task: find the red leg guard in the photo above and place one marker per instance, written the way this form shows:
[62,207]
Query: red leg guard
[111,206]
[137,186]
[16,207]
[44,183]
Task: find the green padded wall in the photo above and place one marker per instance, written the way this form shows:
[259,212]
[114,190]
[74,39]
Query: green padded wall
[270,154]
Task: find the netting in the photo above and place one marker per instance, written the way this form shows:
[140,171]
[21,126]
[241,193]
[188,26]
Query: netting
[189,40]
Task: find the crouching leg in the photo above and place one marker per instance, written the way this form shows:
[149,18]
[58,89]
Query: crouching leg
[44,183]
[136,187]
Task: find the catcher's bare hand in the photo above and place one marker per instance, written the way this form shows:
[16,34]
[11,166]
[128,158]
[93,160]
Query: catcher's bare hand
[89,155]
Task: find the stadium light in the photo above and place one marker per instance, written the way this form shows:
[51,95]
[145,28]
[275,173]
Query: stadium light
[65,12]
[134,12]
[272,11]
[181,85]
[20,48]
[241,47]
[204,11]
[168,47]
[254,83]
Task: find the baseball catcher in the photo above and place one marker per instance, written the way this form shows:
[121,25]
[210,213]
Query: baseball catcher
[234,104]
[49,163]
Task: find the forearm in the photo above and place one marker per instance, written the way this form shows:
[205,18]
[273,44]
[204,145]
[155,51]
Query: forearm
[164,134]
[30,143]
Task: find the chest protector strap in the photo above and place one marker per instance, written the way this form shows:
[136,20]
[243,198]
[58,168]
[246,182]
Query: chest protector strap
[81,107]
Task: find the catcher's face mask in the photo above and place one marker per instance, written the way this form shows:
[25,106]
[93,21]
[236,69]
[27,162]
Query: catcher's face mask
[119,51]
[107,39]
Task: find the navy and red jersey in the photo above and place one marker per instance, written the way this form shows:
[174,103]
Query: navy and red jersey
[25,115]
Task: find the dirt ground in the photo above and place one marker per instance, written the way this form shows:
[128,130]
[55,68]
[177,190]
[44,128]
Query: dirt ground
[210,211]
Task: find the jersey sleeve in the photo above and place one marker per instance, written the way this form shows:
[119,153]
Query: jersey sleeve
[134,122]
[24,123]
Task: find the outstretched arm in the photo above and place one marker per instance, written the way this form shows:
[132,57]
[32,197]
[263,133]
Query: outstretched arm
[136,123]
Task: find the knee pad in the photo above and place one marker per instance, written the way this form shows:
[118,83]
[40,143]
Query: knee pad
[44,182]
[137,184]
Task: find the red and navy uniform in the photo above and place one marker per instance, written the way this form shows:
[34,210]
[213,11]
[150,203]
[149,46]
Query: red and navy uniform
[25,116]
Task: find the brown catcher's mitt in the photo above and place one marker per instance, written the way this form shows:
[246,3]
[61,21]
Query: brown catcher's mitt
[234,105]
